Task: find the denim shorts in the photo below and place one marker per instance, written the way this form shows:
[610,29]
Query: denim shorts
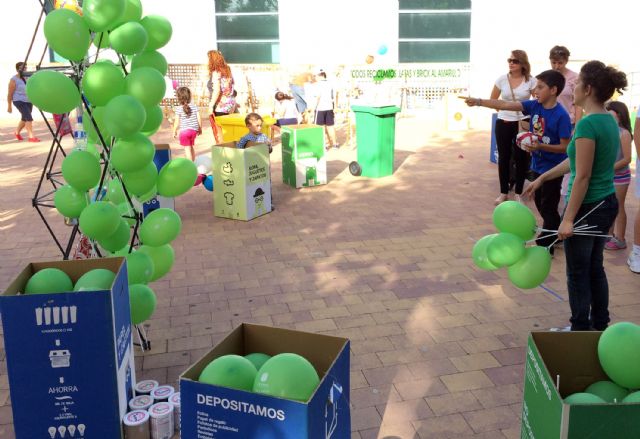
[25,109]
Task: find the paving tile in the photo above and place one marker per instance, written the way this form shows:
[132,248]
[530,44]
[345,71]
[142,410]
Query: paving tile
[456,402]
[449,426]
[466,381]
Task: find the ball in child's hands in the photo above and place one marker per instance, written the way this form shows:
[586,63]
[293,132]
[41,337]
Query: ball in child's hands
[526,139]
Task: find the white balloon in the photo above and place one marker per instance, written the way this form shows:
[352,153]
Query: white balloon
[203,163]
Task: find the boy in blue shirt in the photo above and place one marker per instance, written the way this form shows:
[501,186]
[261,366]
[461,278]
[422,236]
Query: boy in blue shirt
[551,123]
[253,121]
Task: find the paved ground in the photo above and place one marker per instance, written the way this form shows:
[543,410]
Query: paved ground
[437,345]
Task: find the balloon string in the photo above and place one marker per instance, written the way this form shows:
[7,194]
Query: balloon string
[581,230]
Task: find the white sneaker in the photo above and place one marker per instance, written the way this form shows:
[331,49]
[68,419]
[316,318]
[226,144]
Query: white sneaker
[634,262]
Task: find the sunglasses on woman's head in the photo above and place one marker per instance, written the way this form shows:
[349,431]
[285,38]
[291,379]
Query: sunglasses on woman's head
[513,61]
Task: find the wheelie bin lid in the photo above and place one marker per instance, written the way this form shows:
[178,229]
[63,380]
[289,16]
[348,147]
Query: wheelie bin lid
[376,111]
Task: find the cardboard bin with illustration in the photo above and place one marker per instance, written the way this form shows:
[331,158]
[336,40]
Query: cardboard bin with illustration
[223,413]
[69,355]
[570,359]
[242,181]
[304,163]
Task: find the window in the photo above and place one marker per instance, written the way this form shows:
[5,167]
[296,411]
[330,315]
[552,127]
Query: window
[248,31]
[434,30]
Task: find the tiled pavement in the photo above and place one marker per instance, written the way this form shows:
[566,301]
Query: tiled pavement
[437,345]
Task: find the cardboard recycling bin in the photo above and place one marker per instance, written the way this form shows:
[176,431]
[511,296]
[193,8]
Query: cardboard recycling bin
[69,355]
[242,181]
[233,126]
[210,411]
[573,357]
[161,157]
[303,155]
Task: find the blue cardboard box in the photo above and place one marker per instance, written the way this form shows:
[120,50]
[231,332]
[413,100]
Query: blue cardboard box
[215,412]
[69,355]
[161,157]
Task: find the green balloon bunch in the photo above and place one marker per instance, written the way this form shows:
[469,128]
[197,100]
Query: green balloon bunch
[528,267]
[286,375]
[126,111]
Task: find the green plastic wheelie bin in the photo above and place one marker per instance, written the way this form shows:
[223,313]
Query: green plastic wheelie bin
[375,138]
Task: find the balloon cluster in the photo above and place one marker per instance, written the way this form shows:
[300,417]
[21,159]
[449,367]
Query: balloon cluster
[125,108]
[54,280]
[619,355]
[528,267]
[204,166]
[288,376]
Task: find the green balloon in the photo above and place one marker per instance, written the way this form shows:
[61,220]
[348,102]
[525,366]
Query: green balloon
[70,201]
[176,177]
[532,269]
[124,116]
[53,92]
[258,359]
[102,82]
[49,280]
[152,59]
[129,38]
[132,12]
[115,192]
[132,153]
[147,85]
[619,354]
[143,302]
[160,227]
[608,390]
[632,398]
[127,213]
[95,280]
[505,249]
[101,41]
[81,170]
[287,376]
[154,120]
[92,134]
[139,268]
[93,149]
[99,220]
[67,33]
[149,195]
[117,239]
[479,253]
[140,182]
[584,398]
[231,371]
[516,218]
[159,31]
[102,14]
[162,257]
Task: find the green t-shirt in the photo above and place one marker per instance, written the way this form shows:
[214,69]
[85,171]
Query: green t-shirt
[603,129]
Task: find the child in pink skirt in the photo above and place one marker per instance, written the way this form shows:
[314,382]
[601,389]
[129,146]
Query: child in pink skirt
[187,121]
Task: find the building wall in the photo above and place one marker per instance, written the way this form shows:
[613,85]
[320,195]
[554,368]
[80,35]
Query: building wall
[335,32]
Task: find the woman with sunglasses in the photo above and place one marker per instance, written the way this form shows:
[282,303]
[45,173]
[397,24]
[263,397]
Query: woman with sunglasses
[517,85]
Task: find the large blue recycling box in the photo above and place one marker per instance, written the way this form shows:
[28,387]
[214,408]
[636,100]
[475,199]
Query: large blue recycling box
[209,411]
[493,149]
[161,157]
[69,355]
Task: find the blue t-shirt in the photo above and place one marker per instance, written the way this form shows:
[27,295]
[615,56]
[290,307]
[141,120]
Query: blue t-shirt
[550,125]
[250,137]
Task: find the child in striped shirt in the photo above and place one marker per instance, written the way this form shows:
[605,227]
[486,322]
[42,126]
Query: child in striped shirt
[187,121]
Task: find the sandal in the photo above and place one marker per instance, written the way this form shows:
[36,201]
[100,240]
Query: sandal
[33,139]
[18,136]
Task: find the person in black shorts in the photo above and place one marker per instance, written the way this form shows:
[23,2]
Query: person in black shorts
[18,96]
[324,109]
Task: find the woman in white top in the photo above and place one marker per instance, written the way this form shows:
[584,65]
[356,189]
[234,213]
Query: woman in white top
[285,112]
[517,85]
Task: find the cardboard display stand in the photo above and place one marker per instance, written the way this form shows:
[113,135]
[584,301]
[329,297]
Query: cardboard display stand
[161,157]
[572,359]
[69,355]
[224,413]
[304,163]
[242,181]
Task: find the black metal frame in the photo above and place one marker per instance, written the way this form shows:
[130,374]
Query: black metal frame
[43,198]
